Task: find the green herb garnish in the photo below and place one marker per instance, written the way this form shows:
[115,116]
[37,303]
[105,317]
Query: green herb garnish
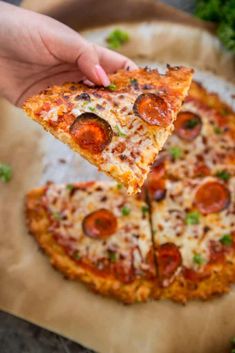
[226,240]
[56,215]
[112,87]
[84,104]
[112,256]
[117,38]
[69,187]
[223,174]
[145,210]
[190,124]
[5,173]
[233,340]
[222,13]
[119,132]
[92,109]
[198,259]
[119,186]
[192,218]
[217,130]
[76,255]
[126,211]
[175,152]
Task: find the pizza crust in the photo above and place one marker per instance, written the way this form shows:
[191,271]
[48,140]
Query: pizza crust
[139,290]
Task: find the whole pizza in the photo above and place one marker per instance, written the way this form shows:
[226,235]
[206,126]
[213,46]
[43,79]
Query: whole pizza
[175,239]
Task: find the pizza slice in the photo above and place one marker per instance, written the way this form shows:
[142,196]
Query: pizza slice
[121,128]
[95,233]
[194,234]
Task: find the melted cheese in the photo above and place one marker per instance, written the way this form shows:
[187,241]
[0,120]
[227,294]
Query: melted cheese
[133,234]
[217,151]
[169,225]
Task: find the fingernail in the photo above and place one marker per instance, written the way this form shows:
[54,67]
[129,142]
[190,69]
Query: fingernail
[102,75]
[88,83]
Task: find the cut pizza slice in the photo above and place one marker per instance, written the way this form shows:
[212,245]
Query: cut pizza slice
[121,128]
[95,233]
[194,234]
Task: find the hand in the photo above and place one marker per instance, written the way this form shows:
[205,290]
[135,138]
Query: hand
[37,51]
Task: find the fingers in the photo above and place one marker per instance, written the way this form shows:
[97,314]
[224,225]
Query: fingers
[89,64]
[112,61]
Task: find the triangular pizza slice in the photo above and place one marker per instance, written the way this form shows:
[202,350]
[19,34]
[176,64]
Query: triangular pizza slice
[121,128]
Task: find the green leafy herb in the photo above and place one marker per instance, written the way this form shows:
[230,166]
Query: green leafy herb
[84,104]
[217,130]
[119,186]
[126,211]
[112,256]
[56,215]
[117,38]
[145,210]
[119,132]
[92,109]
[76,255]
[134,82]
[226,240]
[175,152]
[222,12]
[233,340]
[190,124]
[69,187]
[233,350]
[5,173]
[192,218]
[223,174]
[112,87]
[198,259]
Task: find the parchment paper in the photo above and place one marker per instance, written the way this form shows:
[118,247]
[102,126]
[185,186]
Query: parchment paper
[31,289]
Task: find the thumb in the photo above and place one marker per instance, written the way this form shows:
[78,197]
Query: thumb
[88,64]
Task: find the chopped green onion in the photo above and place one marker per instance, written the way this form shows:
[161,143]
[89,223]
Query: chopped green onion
[192,218]
[119,132]
[92,109]
[145,210]
[56,215]
[84,104]
[112,256]
[76,255]
[190,124]
[198,259]
[175,152]
[117,38]
[223,174]
[112,87]
[119,186]
[226,240]
[125,211]
[69,187]
[217,130]
[5,173]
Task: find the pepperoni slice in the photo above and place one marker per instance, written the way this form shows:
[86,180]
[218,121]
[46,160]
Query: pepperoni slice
[212,197]
[100,224]
[91,132]
[194,276]
[217,252]
[188,125]
[153,109]
[156,183]
[169,259]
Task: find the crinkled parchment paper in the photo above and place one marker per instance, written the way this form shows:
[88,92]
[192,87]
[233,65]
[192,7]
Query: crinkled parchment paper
[31,289]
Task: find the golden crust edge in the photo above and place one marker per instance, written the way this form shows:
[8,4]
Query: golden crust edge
[140,290]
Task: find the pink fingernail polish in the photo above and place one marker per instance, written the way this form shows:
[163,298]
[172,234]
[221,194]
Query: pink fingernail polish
[88,83]
[102,75]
